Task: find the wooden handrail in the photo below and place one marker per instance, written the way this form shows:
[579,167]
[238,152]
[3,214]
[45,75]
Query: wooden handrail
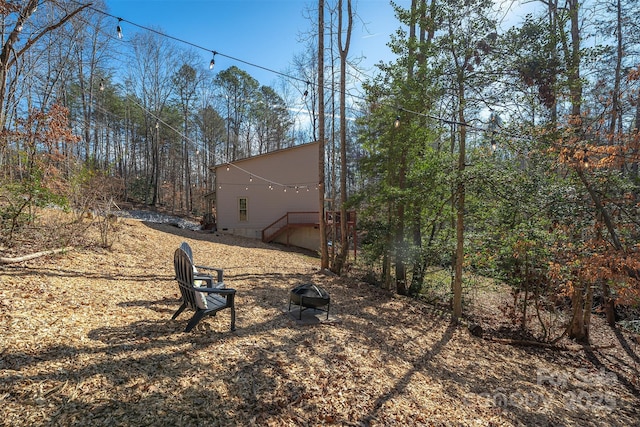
[286,220]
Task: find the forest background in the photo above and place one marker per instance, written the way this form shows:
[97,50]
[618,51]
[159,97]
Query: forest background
[478,155]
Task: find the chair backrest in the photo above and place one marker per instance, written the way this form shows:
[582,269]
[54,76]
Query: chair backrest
[184,275]
[187,250]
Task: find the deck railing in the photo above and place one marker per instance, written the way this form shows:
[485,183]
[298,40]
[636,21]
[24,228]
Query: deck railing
[290,219]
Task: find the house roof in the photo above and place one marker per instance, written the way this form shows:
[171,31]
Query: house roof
[270,153]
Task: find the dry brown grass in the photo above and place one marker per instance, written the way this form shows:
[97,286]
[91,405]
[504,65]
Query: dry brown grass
[87,339]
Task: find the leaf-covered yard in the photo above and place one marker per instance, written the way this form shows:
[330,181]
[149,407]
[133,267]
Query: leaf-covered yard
[87,339]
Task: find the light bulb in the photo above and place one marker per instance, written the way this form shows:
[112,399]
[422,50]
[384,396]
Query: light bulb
[213,60]
[306,91]
[119,28]
[585,159]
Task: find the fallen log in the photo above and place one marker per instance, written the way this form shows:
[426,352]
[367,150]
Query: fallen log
[8,260]
[528,343]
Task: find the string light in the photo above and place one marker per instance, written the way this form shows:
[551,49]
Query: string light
[287,76]
[585,159]
[493,144]
[213,60]
[306,91]
[252,175]
[271,186]
[160,33]
[101,85]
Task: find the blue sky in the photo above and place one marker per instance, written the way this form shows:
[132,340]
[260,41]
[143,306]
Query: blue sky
[262,32]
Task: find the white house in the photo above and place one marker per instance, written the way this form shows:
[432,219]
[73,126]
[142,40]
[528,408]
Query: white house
[273,196]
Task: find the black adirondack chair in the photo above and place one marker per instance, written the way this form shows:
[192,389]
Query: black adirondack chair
[214,283]
[203,300]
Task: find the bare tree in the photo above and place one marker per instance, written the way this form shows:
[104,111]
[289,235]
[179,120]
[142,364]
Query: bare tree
[12,50]
[343,48]
[185,82]
[150,77]
[324,258]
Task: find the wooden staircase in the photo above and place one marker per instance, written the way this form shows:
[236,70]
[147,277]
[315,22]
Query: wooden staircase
[287,222]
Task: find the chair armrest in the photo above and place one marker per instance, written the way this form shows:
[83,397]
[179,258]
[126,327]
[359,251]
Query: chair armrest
[205,278]
[219,291]
[217,270]
[209,279]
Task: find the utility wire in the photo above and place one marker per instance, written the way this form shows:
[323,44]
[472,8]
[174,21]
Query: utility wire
[252,64]
[296,186]
[214,52]
[290,77]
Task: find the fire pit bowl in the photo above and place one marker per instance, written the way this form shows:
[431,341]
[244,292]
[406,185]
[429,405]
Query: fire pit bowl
[309,295]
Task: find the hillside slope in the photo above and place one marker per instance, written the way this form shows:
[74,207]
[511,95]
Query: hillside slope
[87,339]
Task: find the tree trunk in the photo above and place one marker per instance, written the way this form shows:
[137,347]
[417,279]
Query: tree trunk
[609,304]
[582,303]
[324,252]
[400,244]
[576,329]
[460,206]
[344,50]
[615,95]
[419,261]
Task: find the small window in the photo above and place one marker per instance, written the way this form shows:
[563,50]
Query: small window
[243,212]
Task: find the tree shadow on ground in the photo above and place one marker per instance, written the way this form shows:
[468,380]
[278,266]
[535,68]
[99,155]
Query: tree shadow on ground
[136,372]
[35,271]
[400,386]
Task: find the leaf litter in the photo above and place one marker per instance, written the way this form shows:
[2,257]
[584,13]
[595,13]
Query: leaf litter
[87,338]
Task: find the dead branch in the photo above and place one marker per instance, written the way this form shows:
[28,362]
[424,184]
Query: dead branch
[528,343]
[7,260]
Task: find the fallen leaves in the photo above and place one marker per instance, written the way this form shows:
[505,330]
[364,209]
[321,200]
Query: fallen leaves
[87,338]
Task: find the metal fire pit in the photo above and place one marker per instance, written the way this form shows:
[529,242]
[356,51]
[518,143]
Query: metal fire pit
[310,296]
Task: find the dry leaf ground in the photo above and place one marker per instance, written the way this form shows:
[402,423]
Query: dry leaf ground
[86,338]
